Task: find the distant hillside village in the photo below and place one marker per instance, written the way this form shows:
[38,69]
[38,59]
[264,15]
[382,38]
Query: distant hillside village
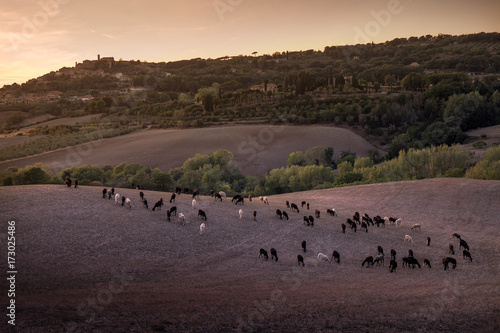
[361,68]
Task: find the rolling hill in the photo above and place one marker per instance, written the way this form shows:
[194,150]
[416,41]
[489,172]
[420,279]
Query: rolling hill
[256,148]
[85,263]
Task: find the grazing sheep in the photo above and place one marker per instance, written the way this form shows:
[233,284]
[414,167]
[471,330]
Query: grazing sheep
[427,263]
[266,200]
[306,220]
[138,187]
[141,195]
[317,213]
[399,222]
[428,241]
[117,198]
[364,225]
[217,196]
[456,235]
[255,215]
[393,254]
[168,215]
[307,206]
[379,260]
[76,184]
[145,202]
[263,253]
[304,246]
[466,255]
[450,249]
[236,197]
[104,191]
[412,261]
[407,261]
[336,257]
[311,220]
[196,193]
[274,254]
[408,239]
[178,190]
[240,212]
[212,193]
[279,214]
[300,260]
[202,215]
[343,228]
[331,212]
[449,260]
[303,203]
[249,198]
[380,250]
[68,182]
[123,201]
[410,253]
[463,244]
[172,198]
[173,210]
[181,218]
[322,256]
[368,261]
[158,205]
[294,207]
[128,202]
[356,217]
[379,221]
[415,227]
[392,266]
[109,194]
[285,215]
[193,203]
[202,228]
[287,204]
[222,194]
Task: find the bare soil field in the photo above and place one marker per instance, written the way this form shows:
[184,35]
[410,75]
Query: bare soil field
[256,148]
[87,265]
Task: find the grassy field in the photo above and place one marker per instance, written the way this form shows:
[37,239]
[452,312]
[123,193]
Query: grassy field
[256,148]
[87,264]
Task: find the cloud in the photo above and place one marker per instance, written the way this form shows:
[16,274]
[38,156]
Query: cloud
[108,36]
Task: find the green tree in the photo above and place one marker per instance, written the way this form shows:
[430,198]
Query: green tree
[161,180]
[296,158]
[413,81]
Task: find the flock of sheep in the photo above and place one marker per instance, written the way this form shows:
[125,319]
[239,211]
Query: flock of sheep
[363,221]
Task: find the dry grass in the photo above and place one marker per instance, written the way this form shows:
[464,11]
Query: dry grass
[70,243]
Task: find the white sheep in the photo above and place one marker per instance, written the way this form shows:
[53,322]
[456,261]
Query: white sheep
[322,256]
[408,239]
[202,228]
[415,227]
[266,200]
[182,218]
[222,194]
[193,203]
[117,198]
[128,202]
[399,222]
[241,213]
[386,220]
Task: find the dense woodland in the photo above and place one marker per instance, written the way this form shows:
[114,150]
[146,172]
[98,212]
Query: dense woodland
[408,94]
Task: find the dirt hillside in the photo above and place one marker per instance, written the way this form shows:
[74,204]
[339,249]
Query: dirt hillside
[87,264]
[256,148]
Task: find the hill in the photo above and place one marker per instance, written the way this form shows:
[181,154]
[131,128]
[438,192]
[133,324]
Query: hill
[257,148]
[85,263]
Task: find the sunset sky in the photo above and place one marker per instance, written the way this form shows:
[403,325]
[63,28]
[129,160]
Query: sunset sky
[39,36]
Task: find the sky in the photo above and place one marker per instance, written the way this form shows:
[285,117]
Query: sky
[40,36]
